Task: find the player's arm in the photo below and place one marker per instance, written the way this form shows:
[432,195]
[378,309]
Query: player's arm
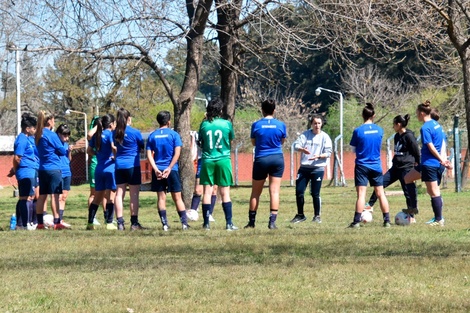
[174,160]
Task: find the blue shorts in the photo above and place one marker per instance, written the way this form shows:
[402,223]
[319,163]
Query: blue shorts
[26,186]
[431,173]
[272,165]
[364,175]
[131,176]
[66,182]
[104,181]
[198,169]
[50,182]
[170,184]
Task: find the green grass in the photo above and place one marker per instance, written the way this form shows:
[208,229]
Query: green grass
[298,268]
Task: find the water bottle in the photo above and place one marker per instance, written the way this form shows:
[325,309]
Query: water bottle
[13,222]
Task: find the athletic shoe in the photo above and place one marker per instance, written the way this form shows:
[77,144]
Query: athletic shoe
[272,225]
[59,227]
[165,227]
[367,207]
[66,225]
[41,226]
[111,226]
[437,223]
[387,225]
[230,227]
[90,226]
[432,220]
[96,222]
[249,225]
[298,218]
[206,226]
[411,211]
[354,225]
[31,226]
[185,227]
[137,226]
[211,219]
[120,226]
[412,220]
[316,219]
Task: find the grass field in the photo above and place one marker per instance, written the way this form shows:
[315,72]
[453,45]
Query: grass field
[298,268]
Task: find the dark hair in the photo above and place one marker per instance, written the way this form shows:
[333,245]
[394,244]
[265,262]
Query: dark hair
[94,121]
[121,123]
[435,114]
[63,129]
[368,111]
[402,120]
[313,116]
[102,123]
[425,107]
[43,121]
[214,109]
[268,106]
[163,117]
[27,120]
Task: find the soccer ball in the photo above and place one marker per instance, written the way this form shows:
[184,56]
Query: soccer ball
[192,215]
[402,219]
[48,220]
[366,216]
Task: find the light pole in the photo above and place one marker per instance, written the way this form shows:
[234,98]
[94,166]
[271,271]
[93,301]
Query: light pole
[11,47]
[318,92]
[86,140]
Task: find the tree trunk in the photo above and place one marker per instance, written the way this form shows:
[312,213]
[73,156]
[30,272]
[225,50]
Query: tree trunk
[465,58]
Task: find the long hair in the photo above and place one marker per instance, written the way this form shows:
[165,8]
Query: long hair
[121,123]
[402,120]
[214,109]
[43,121]
[425,107]
[63,129]
[27,120]
[368,112]
[102,123]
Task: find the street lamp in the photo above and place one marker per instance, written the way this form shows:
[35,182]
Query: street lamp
[11,47]
[86,140]
[318,92]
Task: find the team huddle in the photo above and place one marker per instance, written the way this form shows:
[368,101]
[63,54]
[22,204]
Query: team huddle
[42,167]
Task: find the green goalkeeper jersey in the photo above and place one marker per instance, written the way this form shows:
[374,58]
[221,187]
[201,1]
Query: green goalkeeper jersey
[215,137]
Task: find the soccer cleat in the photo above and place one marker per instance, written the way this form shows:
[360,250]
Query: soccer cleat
[316,219]
[437,223]
[206,227]
[411,211]
[249,225]
[90,226]
[354,225]
[298,218]
[433,220]
[211,219]
[120,226]
[367,207]
[41,226]
[66,225]
[111,226]
[230,227]
[96,222]
[272,225]
[387,224]
[59,227]
[137,226]
[166,227]
[185,227]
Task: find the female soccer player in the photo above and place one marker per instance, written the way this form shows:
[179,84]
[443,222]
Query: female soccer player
[267,135]
[25,167]
[432,163]
[63,131]
[366,142]
[129,143]
[406,156]
[316,148]
[163,152]
[216,135]
[50,148]
[102,145]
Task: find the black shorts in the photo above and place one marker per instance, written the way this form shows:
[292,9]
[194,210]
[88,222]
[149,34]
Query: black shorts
[170,184]
[50,182]
[272,165]
[364,175]
[131,176]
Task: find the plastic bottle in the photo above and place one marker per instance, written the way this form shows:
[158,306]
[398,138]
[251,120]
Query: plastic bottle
[13,222]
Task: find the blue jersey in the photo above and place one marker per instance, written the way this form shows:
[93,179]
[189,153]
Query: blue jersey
[29,164]
[268,134]
[50,148]
[367,139]
[65,162]
[128,153]
[163,142]
[104,156]
[431,132]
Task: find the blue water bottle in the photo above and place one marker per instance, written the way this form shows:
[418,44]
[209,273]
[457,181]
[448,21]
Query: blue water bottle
[13,222]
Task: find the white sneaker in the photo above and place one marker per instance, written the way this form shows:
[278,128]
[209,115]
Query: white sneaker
[66,225]
[211,219]
[166,227]
[31,226]
[96,222]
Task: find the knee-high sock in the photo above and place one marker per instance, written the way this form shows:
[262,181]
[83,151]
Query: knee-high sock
[227,206]
[436,203]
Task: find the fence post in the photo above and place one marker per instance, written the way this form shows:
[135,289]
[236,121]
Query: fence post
[292,150]
[458,170]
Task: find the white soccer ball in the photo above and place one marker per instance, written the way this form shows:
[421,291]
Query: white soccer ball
[192,215]
[402,219]
[366,217]
[48,220]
